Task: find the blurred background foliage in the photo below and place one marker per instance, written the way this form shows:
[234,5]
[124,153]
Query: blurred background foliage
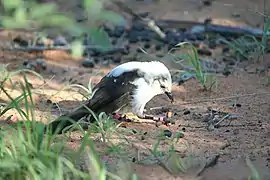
[35,16]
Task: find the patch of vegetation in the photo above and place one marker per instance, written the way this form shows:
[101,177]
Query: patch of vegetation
[248,47]
[27,152]
[208,81]
[29,15]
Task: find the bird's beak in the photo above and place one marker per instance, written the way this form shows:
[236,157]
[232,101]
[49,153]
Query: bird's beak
[170,96]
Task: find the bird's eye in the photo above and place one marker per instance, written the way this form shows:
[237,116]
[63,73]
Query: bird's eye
[162,86]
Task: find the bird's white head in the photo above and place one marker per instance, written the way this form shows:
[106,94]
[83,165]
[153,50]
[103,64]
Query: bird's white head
[153,78]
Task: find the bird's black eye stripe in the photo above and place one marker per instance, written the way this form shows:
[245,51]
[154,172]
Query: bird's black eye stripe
[162,86]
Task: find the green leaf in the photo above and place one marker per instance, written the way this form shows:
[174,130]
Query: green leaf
[10,23]
[8,4]
[93,6]
[100,38]
[77,48]
[77,29]
[112,17]
[20,15]
[38,11]
[57,21]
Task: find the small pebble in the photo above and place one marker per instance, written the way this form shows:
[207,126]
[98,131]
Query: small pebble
[54,106]
[226,73]
[88,63]
[207,2]
[236,131]
[138,50]
[204,52]
[49,101]
[211,127]
[116,59]
[134,131]
[60,41]
[186,112]
[208,20]
[179,135]
[25,63]
[235,15]
[114,42]
[142,138]
[147,46]
[158,47]
[167,133]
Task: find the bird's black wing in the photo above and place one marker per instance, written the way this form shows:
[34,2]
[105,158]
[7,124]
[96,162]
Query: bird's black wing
[110,94]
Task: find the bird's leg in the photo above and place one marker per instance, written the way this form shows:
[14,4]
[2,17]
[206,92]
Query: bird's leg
[132,117]
[117,116]
[140,118]
[154,118]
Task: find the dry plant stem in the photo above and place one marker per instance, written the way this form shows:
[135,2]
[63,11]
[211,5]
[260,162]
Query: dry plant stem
[150,23]
[44,48]
[216,99]
[222,119]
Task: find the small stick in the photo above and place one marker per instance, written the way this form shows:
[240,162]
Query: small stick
[216,99]
[150,23]
[222,119]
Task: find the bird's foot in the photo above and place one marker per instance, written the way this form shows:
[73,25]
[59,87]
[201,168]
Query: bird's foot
[138,119]
[130,117]
[156,119]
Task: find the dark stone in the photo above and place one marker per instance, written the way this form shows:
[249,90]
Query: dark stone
[191,37]
[88,63]
[96,60]
[158,47]
[60,41]
[225,50]
[134,131]
[114,42]
[167,133]
[49,101]
[118,31]
[212,45]
[208,20]
[186,112]
[133,39]
[95,53]
[25,63]
[145,38]
[116,59]
[207,2]
[204,52]
[147,45]
[138,50]
[200,37]
[125,51]
[137,26]
[226,73]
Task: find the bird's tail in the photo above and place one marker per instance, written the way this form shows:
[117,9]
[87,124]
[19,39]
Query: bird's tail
[67,119]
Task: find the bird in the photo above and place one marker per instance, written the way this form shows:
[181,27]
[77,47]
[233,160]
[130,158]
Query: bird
[126,88]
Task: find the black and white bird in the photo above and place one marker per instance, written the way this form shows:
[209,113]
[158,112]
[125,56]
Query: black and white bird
[126,88]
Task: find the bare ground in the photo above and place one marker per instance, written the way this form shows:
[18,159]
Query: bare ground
[249,134]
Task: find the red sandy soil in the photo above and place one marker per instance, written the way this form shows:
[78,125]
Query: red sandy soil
[249,134]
